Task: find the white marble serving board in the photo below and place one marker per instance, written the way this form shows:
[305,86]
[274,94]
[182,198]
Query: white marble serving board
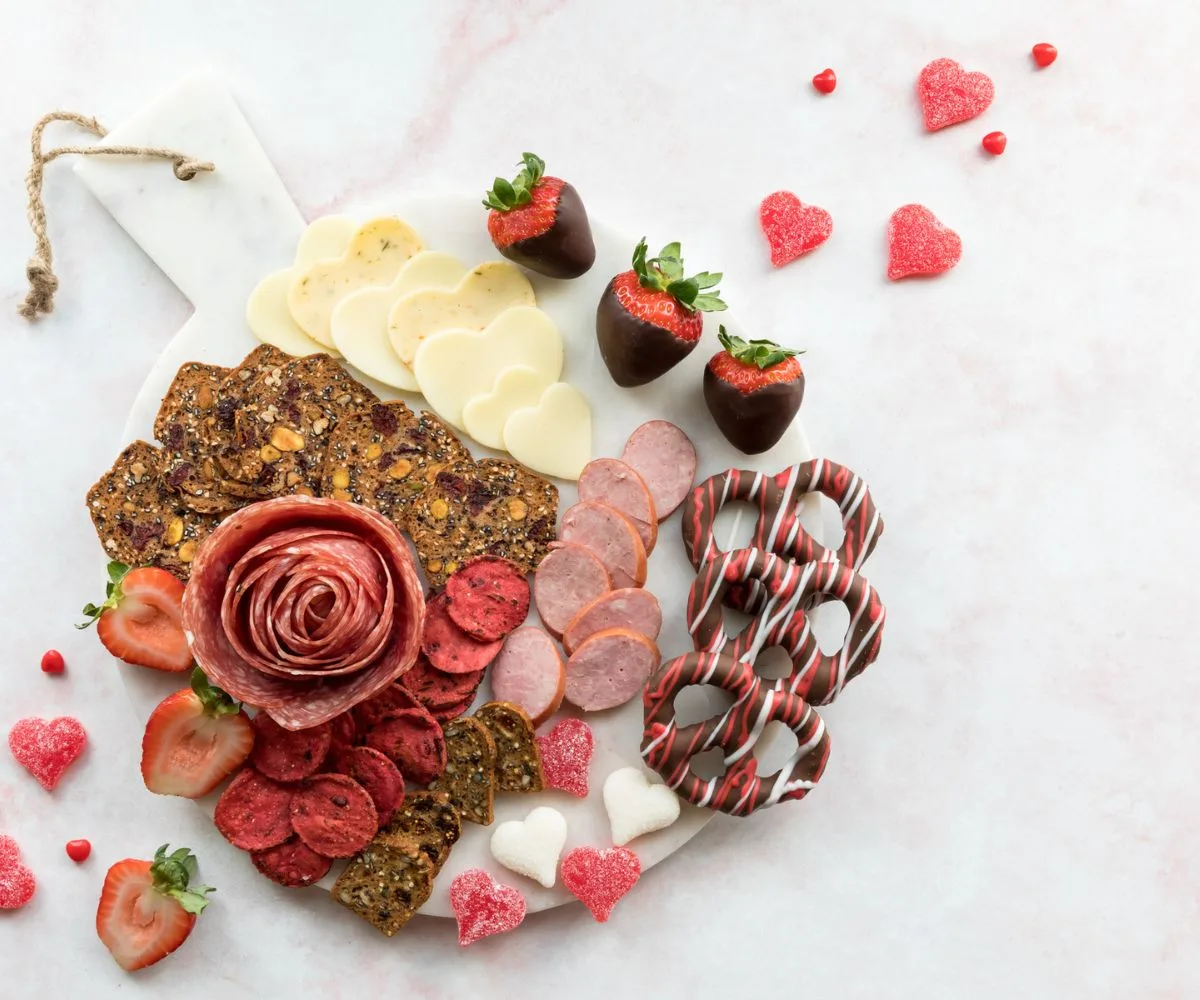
[218,235]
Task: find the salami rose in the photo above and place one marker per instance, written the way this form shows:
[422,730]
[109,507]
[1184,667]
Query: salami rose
[304,607]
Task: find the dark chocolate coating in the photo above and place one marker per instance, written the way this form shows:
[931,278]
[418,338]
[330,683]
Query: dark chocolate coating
[753,421]
[566,249]
[636,352]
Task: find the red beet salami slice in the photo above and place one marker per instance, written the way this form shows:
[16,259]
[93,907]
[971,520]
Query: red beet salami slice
[632,608]
[254,812]
[393,698]
[487,598]
[448,647]
[438,691]
[611,536]
[334,816]
[569,579]
[663,456]
[377,774]
[286,755]
[413,740]
[610,668]
[291,864]
[529,673]
[611,481]
[343,731]
[304,607]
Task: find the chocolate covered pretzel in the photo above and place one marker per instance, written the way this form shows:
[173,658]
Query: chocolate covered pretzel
[669,748]
[789,591]
[777,527]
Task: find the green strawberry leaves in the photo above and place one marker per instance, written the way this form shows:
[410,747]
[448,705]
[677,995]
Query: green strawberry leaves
[172,875]
[507,195]
[215,701]
[760,353]
[665,273]
[112,594]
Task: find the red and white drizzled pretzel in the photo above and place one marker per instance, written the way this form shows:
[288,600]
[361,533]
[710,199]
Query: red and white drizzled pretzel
[669,748]
[789,590]
[777,527]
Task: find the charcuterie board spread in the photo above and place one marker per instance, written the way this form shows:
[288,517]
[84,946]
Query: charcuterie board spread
[439,535]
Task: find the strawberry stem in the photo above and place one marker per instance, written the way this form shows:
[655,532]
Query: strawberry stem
[664,273]
[507,195]
[172,875]
[112,594]
[763,353]
[216,702]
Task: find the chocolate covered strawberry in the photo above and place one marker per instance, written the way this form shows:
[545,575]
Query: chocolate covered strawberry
[753,390]
[539,222]
[651,318]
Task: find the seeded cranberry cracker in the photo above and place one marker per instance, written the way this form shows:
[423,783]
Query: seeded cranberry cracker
[487,598]
[386,884]
[469,776]
[182,427]
[448,647]
[334,815]
[254,812]
[491,507]
[281,430]
[431,821]
[291,864]
[413,740]
[385,455]
[288,755]
[376,773]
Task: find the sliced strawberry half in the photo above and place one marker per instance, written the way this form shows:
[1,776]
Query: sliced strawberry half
[194,739]
[141,619]
[148,908]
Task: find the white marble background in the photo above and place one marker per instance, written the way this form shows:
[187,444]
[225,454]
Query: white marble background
[1011,807]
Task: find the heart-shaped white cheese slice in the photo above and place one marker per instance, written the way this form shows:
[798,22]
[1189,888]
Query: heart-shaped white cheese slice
[637,806]
[453,367]
[554,437]
[531,846]
[359,324]
[374,256]
[267,312]
[481,296]
[516,387]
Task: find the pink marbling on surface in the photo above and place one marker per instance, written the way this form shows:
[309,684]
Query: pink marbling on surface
[1010,808]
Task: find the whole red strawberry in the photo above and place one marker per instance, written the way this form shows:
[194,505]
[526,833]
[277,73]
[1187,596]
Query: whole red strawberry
[753,390]
[539,222]
[649,319]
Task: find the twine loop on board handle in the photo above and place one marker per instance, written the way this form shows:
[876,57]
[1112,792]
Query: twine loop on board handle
[43,282]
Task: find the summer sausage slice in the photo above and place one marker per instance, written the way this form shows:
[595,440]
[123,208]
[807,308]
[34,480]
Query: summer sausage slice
[609,668]
[569,579]
[611,481]
[665,458]
[632,608]
[611,536]
[529,673]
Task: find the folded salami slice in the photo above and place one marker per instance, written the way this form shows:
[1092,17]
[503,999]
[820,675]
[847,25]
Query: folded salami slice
[304,607]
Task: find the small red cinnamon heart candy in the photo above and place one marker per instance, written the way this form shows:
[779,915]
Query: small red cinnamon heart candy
[47,748]
[53,662]
[1044,54]
[79,850]
[791,227]
[17,884]
[483,906]
[566,756]
[994,142]
[949,94]
[600,878]
[825,81]
[919,244]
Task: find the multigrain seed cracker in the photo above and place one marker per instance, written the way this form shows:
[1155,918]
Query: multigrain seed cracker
[470,775]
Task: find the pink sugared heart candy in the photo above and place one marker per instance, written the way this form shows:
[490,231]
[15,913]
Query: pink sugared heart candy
[47,748]
[792,228]
[949,94]
[919,244]
[17,884]
[600,878]
[566,756]
[483,906]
